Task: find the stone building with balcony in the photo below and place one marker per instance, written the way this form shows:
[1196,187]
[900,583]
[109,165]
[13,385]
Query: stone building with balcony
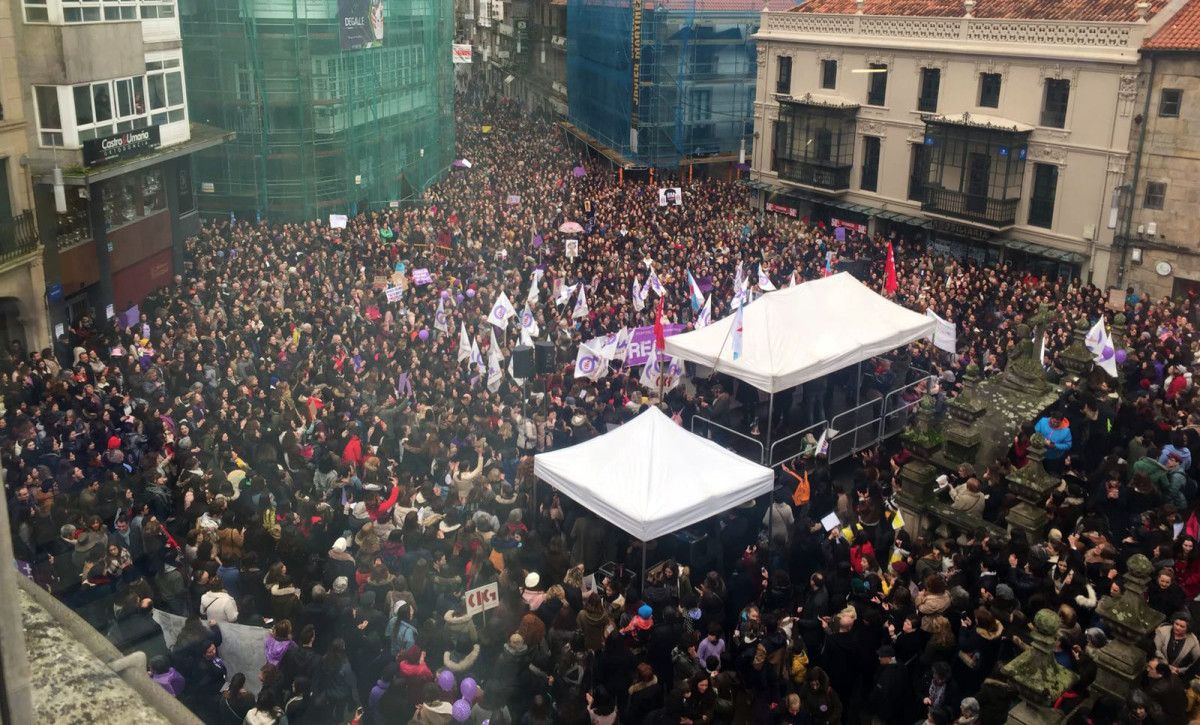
[23,322]
[992,130]
[520,50]
[1158,233]
[109,143]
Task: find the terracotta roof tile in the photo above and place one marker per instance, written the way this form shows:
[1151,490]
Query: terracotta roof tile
[1093,10]
[1182,32]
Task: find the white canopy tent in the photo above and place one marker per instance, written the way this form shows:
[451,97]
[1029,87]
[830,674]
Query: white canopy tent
[651,477]
[803,332]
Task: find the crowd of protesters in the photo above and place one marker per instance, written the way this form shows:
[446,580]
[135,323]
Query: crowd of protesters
[274,443]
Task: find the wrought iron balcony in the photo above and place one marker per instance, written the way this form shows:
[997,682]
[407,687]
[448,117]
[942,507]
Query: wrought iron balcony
[971,207]
[821,176]
[18,236]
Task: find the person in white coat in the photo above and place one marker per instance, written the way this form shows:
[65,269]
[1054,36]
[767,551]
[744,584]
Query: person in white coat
[217,605]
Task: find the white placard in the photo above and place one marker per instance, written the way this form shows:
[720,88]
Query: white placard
[831,521]
[482,598]
[338,221]
[571,248]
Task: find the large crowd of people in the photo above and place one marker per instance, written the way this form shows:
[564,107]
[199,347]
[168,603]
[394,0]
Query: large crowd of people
[274,441]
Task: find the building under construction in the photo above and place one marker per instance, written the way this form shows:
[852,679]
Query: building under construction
[339,105]
[663,83]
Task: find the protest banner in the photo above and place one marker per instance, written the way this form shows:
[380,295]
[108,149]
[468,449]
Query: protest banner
[641,342]
[481,599]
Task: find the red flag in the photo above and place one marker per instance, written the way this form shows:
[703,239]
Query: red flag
[890,284]
[660,339]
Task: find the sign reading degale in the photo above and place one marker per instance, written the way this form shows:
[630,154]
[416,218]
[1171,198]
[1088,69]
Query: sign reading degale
[121,146]
[361,23]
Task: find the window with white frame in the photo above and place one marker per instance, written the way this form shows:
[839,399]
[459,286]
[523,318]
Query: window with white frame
[50,126]
[164,88]
[36,11]
[94,11]
[108,107]
[152,9]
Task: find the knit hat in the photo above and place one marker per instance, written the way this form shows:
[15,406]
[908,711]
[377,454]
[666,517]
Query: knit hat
[645,612]
[340,585]
[114,442]
[1004,591]
[532,580]
[341,544]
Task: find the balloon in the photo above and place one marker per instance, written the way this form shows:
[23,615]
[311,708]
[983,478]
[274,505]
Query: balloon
[445,680]
[471,293]
[424,335]
[468,687]
[1121,355]
[461,711]
[458,298]
[445,294]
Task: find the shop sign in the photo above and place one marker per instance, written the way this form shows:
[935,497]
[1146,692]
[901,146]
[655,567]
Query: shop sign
[121,146]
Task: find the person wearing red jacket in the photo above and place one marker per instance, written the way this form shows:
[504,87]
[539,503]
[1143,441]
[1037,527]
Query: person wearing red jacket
[353,452]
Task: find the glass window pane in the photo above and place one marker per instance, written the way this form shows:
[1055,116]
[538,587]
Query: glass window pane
[48,113]
[83,105]
[139,95]
[158,91]
[124,101]
[102,97]
[175,88]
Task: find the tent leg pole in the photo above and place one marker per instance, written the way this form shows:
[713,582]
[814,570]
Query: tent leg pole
[770,423]
[642,591]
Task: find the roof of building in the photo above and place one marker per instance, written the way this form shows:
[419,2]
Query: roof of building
[1086,10]
[1181,32]
[712,6]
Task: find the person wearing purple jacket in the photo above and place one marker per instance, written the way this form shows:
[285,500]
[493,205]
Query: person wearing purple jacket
[278,642]
[712,645]
[164,674]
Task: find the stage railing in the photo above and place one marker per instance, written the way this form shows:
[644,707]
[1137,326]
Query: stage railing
[875,420]
[740,443]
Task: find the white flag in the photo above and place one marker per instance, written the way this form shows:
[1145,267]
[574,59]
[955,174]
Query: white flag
[639,301]
[793,282]
[655,284]
[590,363]
[764,282]
[621,345]
[581,306]
[495,373]
[526,339]
[705,318]
[659,373]
[464,343]
[1100,345]
[440,322]
[737,332]
[564,294]
[502,311]
[945,335]
[535,294]
[1042,355]
[476,356]
[529,325]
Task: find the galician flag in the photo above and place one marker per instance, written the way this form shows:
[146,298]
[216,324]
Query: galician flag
[696,295]
[705,318]
[502,311]
[581,306]
[737,332]
[764,282]
[464,343]
[1100,345]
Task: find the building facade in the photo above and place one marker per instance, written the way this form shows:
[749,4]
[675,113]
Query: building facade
[23,321]
[109,139]
[338,106]
[663,84]
[1158,237]
[993,130]
[520,50]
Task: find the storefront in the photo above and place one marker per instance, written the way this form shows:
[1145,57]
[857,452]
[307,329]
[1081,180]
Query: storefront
[965,242]
[118,230]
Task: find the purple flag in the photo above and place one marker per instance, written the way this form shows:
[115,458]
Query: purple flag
[839,233]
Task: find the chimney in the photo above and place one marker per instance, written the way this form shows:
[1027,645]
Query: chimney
[858,6]
[1143,10]
[969,6]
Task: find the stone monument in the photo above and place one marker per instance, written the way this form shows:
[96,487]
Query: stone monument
[1037,677]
